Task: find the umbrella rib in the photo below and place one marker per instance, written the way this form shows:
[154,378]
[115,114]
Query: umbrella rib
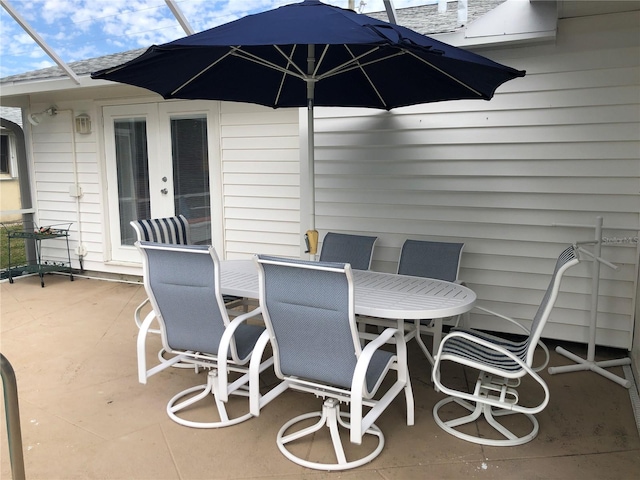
[260,61]
[356,64]
[366,75]
[284,75]
[351,64]
[289,59]
[211,65]
[319,62]
[447,75]
[238,52]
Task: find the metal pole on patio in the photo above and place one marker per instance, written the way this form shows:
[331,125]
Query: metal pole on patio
[14,433]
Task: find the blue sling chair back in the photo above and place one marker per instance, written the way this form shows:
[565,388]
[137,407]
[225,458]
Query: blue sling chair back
[356,250]
[174,230]
[430,259]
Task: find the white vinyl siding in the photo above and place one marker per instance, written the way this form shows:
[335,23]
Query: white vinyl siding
[261,178]
[53,173]
[559,146]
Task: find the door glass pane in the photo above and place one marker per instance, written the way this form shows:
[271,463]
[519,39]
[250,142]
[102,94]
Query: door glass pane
[191,175]
[133,174]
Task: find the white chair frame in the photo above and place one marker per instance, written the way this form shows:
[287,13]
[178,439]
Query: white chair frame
[495,393]
[358,396]
[227,359]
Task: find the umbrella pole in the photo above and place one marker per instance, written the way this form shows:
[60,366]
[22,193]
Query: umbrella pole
[311,237]
[312,234]
[311,160]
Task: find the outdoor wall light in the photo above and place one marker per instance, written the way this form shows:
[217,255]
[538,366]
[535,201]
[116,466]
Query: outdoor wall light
[83,124]
[36,118]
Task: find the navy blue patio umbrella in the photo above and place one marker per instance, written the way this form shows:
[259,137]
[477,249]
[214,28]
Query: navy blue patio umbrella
[308,54]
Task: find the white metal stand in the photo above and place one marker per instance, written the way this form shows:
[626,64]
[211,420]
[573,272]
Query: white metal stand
[589,363]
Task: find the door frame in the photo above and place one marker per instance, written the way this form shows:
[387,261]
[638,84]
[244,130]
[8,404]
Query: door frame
[158,115]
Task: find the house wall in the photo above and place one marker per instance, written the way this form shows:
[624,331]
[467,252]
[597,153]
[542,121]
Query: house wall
[59,159]
[259,168]
[261,180]
[559,146]
[9,198]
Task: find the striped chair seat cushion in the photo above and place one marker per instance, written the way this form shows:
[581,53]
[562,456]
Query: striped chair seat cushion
[472,352]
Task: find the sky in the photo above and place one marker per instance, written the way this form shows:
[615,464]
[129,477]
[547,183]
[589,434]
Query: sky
[81,29]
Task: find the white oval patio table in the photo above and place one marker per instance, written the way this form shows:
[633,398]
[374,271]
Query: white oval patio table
[380,295]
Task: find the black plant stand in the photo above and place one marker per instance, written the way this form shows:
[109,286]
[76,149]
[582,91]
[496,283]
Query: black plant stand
[38,234]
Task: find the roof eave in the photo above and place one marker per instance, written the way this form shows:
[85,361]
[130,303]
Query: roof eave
[32,87]
[511,23]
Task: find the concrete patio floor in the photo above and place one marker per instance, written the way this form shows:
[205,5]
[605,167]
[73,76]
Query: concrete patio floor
[85,416]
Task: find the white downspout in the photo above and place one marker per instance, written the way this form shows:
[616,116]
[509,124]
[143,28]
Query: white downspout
[75,190]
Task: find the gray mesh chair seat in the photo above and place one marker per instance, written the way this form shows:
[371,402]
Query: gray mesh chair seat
[183,286]
[357,250]
[308,309]
[501,364]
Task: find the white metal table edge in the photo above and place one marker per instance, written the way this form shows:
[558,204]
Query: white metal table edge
[377,294]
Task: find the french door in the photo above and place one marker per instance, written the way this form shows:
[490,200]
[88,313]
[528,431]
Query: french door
[161,159]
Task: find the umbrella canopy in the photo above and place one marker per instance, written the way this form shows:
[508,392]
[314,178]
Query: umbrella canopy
[308,54]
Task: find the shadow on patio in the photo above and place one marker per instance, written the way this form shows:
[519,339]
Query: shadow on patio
[84,414]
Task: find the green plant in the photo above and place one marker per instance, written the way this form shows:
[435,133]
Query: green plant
[18,253]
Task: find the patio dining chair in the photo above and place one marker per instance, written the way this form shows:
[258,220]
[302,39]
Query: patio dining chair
[171,230]
[428,259]
[502,364]
[308,309]
[356,250]
[183,285]
[168,230]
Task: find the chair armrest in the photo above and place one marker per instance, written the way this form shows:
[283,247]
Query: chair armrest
[497,348]
[224,346]
[359,390]
[141,344]
[137,316]
[504,317]
[358,383]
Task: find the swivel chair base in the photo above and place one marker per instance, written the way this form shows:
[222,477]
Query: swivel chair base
[333,419]
[211,387]
[489,413]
